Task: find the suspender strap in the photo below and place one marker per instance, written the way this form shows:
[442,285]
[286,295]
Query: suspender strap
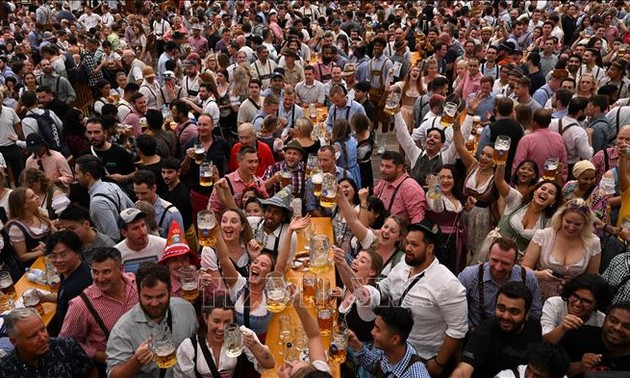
[95,314]
[169,322]
[561,129]
[481,294]
[164,215]
[116,204]
[391,200]
[606,165]
[411,285]
[193,341]
[208,357]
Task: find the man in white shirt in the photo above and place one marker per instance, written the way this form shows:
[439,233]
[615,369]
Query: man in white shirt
[137,246]
[151,89]
[251,105]
[88,19]
[263,66]
[589,67]
[436,298]
[160,27]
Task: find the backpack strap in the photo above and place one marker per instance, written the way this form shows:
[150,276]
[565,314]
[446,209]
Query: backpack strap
[95,314]
[164,215]
[110,199]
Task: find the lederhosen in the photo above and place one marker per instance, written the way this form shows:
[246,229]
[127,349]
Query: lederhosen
[266,76]
[323,78]
[377,95]
[190,92]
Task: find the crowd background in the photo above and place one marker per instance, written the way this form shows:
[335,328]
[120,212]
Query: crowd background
[123,122]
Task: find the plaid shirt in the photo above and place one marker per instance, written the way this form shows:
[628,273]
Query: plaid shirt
[600,164]
[89,64]
[376,358]
[619,269]
[297,181]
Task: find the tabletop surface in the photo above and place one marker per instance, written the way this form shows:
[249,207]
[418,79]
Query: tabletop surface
[24,283]
[322,226]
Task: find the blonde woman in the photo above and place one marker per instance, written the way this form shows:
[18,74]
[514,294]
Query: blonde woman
[239,87]
[429,69]
[410,90]
[565,249]
[586,86]
[461,70]
[302,133]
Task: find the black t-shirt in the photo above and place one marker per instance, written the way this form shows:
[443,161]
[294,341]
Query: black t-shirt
[180,197]
[491,350]
[588,339]
[159,181]
[70,287]
[538,80]
[115,160]
[218,153]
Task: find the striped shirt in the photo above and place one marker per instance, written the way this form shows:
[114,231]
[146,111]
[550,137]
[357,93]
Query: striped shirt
[80,325]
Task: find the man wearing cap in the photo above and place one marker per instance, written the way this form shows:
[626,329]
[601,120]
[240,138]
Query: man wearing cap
[436,298]
[112,294]
[52,162]
[293,73]
[293,153]
[263,67]
[350,77]
[128,352]
[137,246]
[151,89]
[177,255]
[276,87]
[59,85]
[170,90]
[198,43]
[106,198]
[547,91]
[616,76]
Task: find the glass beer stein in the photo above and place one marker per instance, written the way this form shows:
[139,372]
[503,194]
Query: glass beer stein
[163,347]
[550,168]
[206,173]
[200,153]
[6,284]
[448,114]
[233,340]
[319,258]
[189,278]
[329,190]
[317,179]
[276,292]
[208,227]
[501,149]
[392,104]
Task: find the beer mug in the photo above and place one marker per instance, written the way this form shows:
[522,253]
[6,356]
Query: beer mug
[163,347]
[625,224]
[448,114]
[6,284]
[311,164]
[143,124]
[476,123]
[338,345]
[286,177]
[501,148]
[276,292]
[312,113]
[317,179]
[622,50]
[200,154]
[30,298]
[308,233]
[233,340]
[550,170]
[319,258]
[322,114]
[261,236]
[470,144]
[329,190]
[206,173]
[309,280]
[322,293]
[325,321]
[392,104]
[189,277]
[207,225]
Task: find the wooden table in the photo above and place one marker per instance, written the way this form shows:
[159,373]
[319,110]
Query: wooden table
[24,283]
[322,226]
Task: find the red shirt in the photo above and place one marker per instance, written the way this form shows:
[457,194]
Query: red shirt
[265,158]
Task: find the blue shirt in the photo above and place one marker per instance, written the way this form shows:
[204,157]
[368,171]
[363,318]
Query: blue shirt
[166,217]
[370,358]
[543,94]
[469,277]
[486,105]
[351,108]
[291,115]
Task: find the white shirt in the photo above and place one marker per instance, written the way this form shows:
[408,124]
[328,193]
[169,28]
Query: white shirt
[313,93]
[8,118]
[597,72]
[151,253]
[575,139]
[152,93]
[510,374]
[555,310]
[437,302]
[89,21]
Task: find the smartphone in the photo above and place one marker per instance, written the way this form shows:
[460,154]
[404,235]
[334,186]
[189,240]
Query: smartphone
[558,274]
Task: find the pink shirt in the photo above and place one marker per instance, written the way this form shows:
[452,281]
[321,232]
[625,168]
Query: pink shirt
[79,324]
[55,166]
[197,44]
[133,119]
[238,186]
[538,146]
[409,201]
[185,133]
[470,84]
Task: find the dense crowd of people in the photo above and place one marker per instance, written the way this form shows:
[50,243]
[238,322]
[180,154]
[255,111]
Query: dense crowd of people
[491,242]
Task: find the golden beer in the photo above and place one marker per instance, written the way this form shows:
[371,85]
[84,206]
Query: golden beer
[447,120]
[325,321]
[276,300]
[6,303]
[470,144]
[286,178]
[550,169]
[500,156]
[8,289]
[165,358]
[199,156]
[115,97]
[309,281]
[207,236]
[327,201]
[336,353]
[317,180]
[622,51]
[206,180]
[190,291]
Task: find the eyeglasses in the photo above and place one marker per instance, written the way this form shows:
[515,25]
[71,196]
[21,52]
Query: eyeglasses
[60,256]
[584,301]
